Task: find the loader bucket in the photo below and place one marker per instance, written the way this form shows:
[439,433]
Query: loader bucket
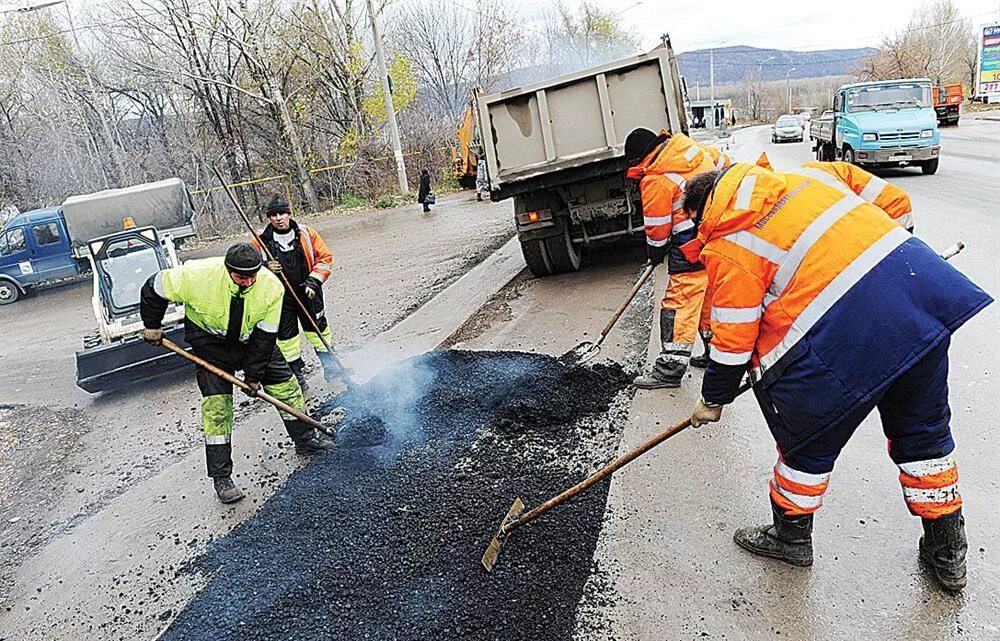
[108,367]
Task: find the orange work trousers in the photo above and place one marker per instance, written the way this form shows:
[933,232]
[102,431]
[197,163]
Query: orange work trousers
[686,297]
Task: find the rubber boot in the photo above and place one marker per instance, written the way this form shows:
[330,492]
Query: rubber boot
[331,371]
[670,365]
[943,547]
[788,539]
[227,490]
[701,362]
[296,366]
[307,439]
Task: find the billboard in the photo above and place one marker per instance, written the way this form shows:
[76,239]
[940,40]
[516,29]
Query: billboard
[988,82]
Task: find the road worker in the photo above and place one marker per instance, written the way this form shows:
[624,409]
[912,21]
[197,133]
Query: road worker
[302,256]
[662,164]
[231,315]
[881,193]
[793,264]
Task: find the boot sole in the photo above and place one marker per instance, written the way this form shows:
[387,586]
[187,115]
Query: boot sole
[235,499]
[799,563]
[658,386]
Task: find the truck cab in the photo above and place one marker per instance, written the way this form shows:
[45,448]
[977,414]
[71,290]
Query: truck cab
[888,123]
[34,248]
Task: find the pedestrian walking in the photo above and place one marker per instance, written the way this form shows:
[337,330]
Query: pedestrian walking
[231,313]
[301,254]
[795,266]
[662,164]
[424,195]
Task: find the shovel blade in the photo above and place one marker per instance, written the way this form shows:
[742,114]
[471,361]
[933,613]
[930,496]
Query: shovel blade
[581,353]
[493,549]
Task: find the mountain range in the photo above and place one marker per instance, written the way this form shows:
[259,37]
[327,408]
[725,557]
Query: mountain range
[733,63]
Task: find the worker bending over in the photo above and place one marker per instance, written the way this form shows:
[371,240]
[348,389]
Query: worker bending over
[231,315]
[305,260]
[662,164]
[835,310]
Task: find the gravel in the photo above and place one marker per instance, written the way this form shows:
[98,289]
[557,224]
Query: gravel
[382,537]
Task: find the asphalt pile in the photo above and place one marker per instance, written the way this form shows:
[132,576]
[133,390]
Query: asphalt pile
[384,541]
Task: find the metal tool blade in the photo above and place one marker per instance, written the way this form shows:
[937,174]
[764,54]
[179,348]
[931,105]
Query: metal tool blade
[493,549]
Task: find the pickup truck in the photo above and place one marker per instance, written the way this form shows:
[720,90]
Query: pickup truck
[888,123]
[121,236]
[557,149]
[947,103]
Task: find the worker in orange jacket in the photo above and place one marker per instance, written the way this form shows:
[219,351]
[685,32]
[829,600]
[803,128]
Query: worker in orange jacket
[881,193]
[794,262]
[302,255]
[662,164]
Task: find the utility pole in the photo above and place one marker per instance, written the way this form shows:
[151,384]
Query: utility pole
[390,109]
[711,73]
[788,87]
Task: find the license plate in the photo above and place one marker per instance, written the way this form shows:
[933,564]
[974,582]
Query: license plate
[901,158]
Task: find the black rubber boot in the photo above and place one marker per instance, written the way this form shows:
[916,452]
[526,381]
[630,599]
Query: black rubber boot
[315,443]
[227,490]
[670,365]
[331,371]
[296,366]
[701,362]
[788,539]
[943,547]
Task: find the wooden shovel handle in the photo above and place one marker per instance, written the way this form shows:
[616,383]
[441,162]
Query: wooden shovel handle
[628,301]
[261,394]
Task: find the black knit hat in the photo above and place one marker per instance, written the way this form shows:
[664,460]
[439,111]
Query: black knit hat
[277,204]
[636,144]
[244,259]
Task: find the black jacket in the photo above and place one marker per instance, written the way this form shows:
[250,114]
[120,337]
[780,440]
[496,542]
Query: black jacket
[425,187]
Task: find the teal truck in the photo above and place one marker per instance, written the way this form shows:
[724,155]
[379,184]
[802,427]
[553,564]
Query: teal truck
[887,123]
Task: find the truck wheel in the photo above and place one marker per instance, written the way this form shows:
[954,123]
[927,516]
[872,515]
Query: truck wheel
[929,167]
[537,257]
[8,292]
[848,155]
[563,254]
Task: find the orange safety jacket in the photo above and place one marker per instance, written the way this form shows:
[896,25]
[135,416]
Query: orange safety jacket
[319,258]
[884,195]
[662,176]
[819,293]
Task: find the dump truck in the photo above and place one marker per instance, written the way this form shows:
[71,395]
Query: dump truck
[125,236]
[947,103]
[557,148]
[886,123]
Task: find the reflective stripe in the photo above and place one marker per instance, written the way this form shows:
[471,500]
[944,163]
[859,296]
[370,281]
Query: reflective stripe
[677,179]
[873,189]
[271,328]
[654,221]
[657,243]
[745,193]
[214,331]
[802,478]
[757,246]
[931,466]
[805,502]
[826,178]
[768,299]
[678,204]
[805,241]
[677,347]
[905,221]
[158,285]
[736,314]
[675,358]
[834,290]
[304,234]
[323,266]
[690,153]
[222,439]
[721,162]
[729,358]
[318,275]
[932,495]
[683,226]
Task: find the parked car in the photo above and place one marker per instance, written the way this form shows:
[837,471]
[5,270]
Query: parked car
[787,128]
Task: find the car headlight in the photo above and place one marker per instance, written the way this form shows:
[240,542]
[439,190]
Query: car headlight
[926,133]
[869,137]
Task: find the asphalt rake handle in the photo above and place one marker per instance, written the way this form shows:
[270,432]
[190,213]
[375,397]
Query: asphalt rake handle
[284,279]
[243,385]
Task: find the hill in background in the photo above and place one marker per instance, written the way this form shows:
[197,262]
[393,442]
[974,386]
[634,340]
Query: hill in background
[733,63]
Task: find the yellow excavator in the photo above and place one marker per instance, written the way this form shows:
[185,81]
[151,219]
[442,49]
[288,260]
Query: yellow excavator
[465,154]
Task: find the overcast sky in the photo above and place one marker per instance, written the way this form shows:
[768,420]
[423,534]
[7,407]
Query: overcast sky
[787,24]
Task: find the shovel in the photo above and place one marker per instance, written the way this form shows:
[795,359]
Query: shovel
[243,385]
[588,350]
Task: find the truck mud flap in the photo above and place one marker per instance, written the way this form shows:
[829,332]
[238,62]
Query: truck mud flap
[108,367]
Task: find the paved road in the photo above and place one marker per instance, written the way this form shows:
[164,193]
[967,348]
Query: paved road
[671,517]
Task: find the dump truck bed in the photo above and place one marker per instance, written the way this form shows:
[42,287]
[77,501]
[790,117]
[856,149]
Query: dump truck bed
[577,119]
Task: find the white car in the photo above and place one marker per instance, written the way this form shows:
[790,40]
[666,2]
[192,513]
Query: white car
[787,128]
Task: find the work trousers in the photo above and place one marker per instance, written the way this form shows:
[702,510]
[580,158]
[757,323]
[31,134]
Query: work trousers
[683,314]
[217,398]
[915,419]
[289,338]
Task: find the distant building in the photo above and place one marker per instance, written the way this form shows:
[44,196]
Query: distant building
[711,114]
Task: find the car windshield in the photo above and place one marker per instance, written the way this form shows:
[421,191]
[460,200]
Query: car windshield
[788,122]
[902,95]
[125,268]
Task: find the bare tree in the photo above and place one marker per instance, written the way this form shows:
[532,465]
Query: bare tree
[586,37]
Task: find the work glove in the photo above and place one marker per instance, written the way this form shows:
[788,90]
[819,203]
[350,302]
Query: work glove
[655,255]
[153,336]
[704,414]
[274,266]
[312,287]
[254,387]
